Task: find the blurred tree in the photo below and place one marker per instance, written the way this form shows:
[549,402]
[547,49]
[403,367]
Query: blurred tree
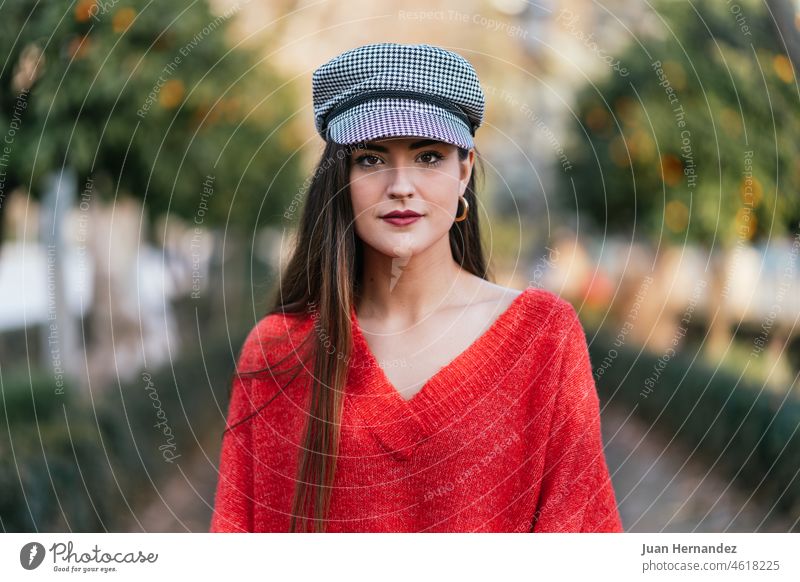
[698,143]
[144,98]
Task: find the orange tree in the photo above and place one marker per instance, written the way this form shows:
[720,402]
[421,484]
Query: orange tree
[148,99]
[697,143]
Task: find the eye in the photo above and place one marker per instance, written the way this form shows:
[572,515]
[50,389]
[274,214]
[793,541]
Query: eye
[361,160]
[431,161]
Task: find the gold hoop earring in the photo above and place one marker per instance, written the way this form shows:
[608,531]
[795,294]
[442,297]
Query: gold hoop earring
[463,215]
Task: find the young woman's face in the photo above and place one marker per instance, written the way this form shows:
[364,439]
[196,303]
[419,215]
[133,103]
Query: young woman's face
[405,174]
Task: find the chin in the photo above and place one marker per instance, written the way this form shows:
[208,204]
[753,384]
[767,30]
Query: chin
[396,247]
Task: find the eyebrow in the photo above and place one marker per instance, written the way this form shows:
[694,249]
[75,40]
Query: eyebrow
[412,146]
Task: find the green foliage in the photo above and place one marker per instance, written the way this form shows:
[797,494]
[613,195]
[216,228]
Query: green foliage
[147,98]
[674,164]
[88,466]
[31,396]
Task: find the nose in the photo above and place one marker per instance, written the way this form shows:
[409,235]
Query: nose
[400,182]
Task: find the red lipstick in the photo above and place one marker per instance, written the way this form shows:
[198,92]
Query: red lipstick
[401,217]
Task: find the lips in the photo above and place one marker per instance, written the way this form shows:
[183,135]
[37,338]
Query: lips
[401,218]
[402,214]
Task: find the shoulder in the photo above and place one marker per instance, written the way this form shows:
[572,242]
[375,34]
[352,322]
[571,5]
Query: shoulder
[271,337]
[547,308]
[258,365]
[536,321]
[531,308]
[535,299]
[552,321]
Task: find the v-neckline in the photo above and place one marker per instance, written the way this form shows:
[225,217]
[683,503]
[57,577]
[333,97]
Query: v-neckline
[401,424]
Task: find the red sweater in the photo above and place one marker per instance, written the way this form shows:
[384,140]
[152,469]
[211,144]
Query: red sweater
[505,438]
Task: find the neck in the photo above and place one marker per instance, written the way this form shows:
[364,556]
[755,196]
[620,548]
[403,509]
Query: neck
[413,285]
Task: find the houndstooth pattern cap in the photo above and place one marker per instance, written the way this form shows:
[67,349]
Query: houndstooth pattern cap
[389,89]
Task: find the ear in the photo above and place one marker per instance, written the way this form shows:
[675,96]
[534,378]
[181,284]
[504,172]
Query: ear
[466,166]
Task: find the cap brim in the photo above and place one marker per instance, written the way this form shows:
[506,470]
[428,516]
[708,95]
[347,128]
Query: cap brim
[363,124]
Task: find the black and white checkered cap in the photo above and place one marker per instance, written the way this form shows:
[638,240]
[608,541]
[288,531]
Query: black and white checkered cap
[389,90]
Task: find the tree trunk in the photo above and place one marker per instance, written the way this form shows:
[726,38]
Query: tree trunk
[719,336]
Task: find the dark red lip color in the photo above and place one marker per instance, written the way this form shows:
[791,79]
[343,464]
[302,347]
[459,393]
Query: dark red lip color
[401,220]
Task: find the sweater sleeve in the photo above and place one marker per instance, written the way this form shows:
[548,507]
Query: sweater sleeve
[233,502]
[576,492]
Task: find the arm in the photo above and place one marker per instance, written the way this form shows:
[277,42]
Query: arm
[233,503]
[576,493]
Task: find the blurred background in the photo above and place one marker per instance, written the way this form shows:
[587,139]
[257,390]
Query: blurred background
[641,162]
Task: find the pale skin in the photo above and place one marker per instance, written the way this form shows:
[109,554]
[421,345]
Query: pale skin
[419,308]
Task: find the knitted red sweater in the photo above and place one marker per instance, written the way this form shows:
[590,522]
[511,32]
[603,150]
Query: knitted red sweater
[505,438]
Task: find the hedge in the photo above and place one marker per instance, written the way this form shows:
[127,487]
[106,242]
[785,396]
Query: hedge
[751,432]
[83,466]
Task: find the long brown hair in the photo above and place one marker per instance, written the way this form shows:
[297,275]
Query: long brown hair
[323,277]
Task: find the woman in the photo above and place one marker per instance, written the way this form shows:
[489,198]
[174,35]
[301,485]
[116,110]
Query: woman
[392,387]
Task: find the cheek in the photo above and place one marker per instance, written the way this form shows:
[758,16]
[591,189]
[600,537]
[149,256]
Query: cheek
[442,201]
[364,197]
